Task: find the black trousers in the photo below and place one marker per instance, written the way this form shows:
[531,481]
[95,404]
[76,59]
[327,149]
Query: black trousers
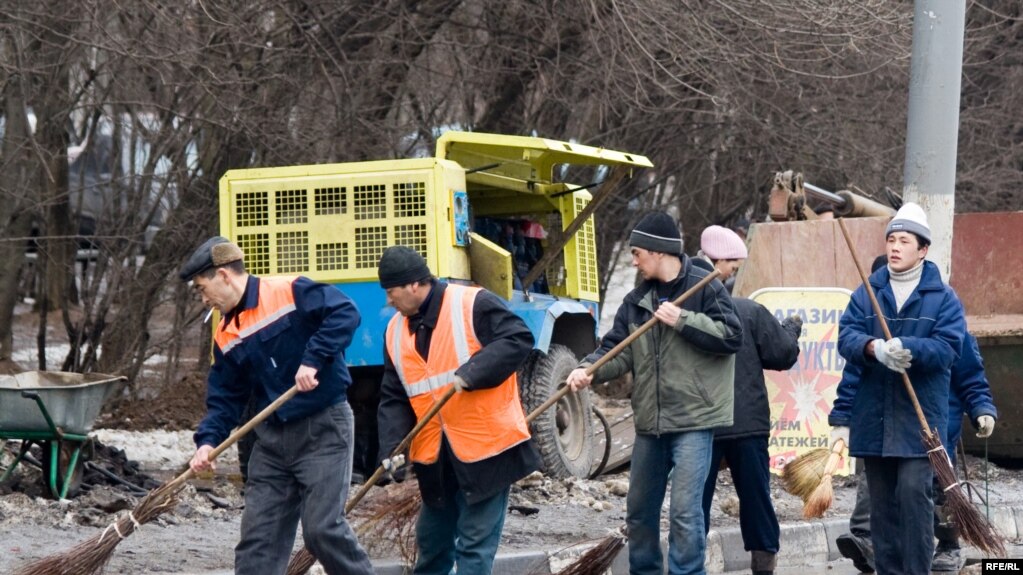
[901,514]
[750,466]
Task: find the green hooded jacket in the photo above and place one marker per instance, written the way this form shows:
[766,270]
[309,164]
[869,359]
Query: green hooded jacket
[682,375]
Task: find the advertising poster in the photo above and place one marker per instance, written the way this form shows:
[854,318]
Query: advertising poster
[801,397]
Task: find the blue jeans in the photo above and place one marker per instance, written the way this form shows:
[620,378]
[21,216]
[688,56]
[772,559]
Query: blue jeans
[461,534]
[300,470]
[685,457]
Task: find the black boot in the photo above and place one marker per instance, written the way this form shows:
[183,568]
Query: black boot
[859,549]
[763,562]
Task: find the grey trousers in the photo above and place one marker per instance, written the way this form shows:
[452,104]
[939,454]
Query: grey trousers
[300,470]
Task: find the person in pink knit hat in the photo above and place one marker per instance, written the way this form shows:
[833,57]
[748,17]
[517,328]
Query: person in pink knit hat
[766,344]
[725,250]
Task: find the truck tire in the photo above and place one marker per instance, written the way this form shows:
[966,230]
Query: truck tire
[563,433]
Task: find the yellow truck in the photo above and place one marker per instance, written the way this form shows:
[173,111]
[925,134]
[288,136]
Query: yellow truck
[486,209]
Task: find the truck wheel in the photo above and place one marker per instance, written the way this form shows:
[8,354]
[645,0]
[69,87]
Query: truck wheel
[564,433]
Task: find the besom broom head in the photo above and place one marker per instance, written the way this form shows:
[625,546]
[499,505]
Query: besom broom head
[802,475]
[823,494]
[820,500]
[974,528]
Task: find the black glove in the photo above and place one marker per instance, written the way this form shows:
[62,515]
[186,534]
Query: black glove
[794,325]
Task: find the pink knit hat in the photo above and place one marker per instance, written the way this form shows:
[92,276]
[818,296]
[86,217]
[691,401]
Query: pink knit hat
[720,243]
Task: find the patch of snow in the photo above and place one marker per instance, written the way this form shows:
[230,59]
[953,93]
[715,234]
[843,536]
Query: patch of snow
[155,450]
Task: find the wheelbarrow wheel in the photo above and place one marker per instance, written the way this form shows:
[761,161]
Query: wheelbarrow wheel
[65,453]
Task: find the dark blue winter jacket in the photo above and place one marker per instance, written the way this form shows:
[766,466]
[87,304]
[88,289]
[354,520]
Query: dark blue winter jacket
[875,405]
[970,392]
[314,330]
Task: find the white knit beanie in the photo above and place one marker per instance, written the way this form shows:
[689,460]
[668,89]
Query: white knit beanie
[720,243]
[910,218]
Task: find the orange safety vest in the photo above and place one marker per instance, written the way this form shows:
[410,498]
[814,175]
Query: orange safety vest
[276,300]
[478,424]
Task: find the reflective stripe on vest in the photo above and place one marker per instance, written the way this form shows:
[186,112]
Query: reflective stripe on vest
[478,424]
[276,300]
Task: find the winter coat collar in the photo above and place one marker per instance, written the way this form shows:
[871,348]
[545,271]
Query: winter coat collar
[930,279]
[639,297]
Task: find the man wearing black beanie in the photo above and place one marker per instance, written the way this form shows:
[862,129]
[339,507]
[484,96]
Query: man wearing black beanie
[683,370]
[469,454]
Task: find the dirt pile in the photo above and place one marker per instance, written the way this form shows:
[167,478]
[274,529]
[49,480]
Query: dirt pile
[172,406]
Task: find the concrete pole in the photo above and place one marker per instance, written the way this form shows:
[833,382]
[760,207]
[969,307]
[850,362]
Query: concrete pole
[932,132]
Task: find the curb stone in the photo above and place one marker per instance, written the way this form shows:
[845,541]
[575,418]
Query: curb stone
[803,544]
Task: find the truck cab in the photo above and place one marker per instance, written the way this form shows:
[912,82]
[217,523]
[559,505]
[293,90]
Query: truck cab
[486,210]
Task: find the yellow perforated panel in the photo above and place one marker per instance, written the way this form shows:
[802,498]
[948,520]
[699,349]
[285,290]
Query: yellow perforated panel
[586,252]
[332,256]
[290,207]
[251,209]
[256,248]
[292,252]
[370,243]
[333,222]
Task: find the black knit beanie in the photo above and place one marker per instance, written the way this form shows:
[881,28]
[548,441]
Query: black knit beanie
[401,266]
[657,232]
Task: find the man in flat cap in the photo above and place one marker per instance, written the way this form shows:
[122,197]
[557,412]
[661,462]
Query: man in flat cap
[469,454]
[276,333]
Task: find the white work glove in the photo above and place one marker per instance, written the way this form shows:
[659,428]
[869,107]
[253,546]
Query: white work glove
[985,426]
[892,355]
[839,432]
[461,385]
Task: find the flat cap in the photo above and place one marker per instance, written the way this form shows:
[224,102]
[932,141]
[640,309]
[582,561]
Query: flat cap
[214,252]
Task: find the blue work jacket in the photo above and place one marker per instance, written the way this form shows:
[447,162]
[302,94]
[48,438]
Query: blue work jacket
[312,325]
[970,392]
[872,401]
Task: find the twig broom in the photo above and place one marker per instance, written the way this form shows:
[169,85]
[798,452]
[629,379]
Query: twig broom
[975,529]
[822,495]
[802,475]
[92,555]
[598,559]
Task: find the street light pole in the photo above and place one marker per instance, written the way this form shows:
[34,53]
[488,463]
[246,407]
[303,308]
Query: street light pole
[932,130]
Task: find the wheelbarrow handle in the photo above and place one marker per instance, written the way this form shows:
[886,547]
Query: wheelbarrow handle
[34,395]
[591,369]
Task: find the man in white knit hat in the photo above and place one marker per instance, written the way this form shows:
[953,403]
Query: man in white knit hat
[873,413]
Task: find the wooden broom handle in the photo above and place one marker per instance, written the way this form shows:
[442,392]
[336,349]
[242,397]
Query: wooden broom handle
[590,370]
[238,433]
[352,501]
[381,470]
[884,326]
[834,457]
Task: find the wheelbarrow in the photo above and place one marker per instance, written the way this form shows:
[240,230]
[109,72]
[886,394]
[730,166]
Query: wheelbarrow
[56,411]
